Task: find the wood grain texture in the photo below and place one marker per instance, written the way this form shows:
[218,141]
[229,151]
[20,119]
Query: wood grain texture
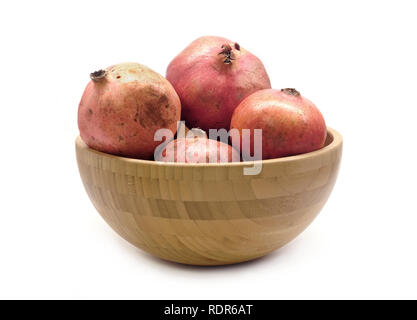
[209,214]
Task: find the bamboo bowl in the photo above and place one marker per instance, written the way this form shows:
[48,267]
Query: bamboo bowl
[209,214]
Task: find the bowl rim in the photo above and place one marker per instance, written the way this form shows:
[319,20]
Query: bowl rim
[336,142]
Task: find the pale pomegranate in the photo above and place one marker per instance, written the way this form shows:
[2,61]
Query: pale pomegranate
[290,123]
[212,76]
[197,148]
[123,106]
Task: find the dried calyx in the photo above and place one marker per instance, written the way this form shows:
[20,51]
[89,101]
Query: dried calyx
[98,75]
[196,133]
[228,54]
[291,91]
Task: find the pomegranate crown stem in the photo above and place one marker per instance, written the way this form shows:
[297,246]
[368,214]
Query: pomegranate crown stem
[98,75]
[228,54]
[291,91]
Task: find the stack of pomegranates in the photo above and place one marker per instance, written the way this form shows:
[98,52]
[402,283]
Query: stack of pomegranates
[214,85]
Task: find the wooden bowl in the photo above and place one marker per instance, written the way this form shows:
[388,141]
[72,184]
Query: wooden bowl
[209,214]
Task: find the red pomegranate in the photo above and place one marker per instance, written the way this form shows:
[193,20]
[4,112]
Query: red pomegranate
[290,123]
[196,148]
[212,76]
[123,106]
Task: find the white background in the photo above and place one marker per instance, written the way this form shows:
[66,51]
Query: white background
[355,59]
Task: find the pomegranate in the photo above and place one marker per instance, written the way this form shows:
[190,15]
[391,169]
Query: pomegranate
[123,106]
[290,123]
[197,148]
[212,76]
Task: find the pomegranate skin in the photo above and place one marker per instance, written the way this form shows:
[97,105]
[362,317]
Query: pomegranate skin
[123,106]
[193,151]
[290,123]
[211,84]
